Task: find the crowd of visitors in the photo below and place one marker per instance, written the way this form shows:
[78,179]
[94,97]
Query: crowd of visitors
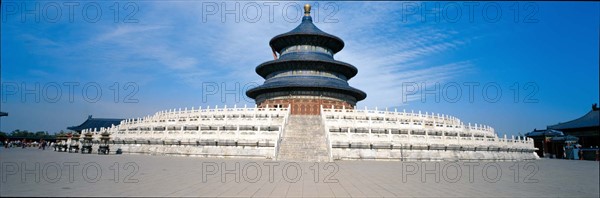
[42,144]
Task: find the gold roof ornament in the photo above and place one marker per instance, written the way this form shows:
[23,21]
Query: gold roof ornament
[307,9]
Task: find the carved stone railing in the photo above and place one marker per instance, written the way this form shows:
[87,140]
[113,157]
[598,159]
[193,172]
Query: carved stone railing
[261,125]
[281,133]
[375,127]
[328,139]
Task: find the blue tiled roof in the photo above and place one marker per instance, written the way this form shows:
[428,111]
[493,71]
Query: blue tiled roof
[316,80]
[305,56]
[591,119]
[306,61]
[546,132]
[307,34]
[302,82]
[95,123]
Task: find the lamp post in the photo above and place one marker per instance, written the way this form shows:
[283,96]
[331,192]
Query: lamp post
[61,144]
[104,148]
[74,146]
[86,147]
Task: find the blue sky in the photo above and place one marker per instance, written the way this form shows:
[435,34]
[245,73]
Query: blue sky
[538,66]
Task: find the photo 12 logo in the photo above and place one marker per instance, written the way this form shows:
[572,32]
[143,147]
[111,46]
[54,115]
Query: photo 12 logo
[52,172]
[453,92]
[53,92]
[69,11]
[227,91]
[253,172]
[453,172]
[253,12]
[472,12]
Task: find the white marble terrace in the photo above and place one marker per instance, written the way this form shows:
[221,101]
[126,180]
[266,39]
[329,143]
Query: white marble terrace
[257,132]
[376,134]
[410,128]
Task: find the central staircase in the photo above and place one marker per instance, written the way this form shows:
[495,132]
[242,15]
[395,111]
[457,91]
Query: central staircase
[304,139]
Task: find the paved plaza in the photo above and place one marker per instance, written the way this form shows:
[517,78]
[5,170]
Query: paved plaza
[33,172]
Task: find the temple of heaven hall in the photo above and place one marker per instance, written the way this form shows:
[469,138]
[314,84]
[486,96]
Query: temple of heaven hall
[306,111]
[306,76]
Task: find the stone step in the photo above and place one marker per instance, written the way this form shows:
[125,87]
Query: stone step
[295,145]
[293,151]
[304,139]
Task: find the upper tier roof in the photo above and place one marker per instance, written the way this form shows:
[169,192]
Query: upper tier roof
[306,83]
[306,61]
[306,34]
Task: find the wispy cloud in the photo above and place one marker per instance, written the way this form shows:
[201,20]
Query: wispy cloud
[179,50]
[398,52]
[192,50]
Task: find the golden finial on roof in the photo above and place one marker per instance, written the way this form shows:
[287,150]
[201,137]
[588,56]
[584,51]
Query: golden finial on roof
[307,9]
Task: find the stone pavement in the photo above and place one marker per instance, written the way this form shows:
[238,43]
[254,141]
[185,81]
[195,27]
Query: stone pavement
[32,172]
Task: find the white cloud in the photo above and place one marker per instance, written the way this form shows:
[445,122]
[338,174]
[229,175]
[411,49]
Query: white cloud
[180,46]
[389,55]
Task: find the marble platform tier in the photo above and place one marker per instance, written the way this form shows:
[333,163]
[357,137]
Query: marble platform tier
[393,135]
[218,132]
[338,134]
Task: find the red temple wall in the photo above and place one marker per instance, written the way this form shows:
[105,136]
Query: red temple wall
[305,106]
